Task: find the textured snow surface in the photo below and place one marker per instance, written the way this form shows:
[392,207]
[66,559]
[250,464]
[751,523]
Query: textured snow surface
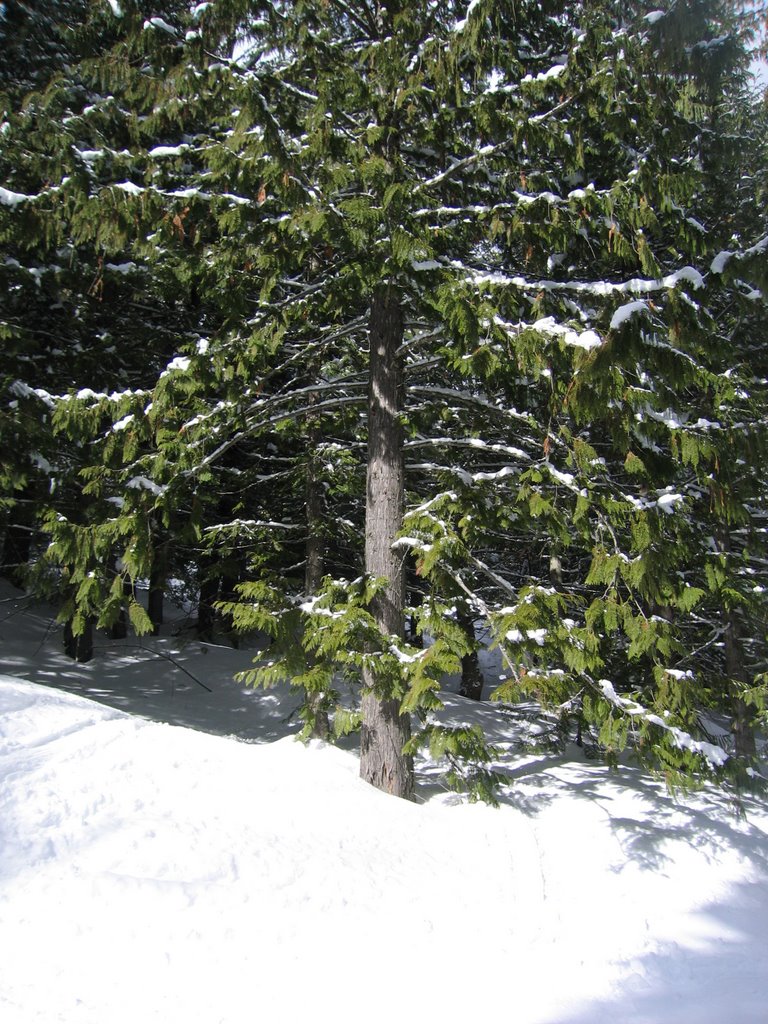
[155,872]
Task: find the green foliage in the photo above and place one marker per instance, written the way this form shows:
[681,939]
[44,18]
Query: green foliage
[570,206]
[468,755]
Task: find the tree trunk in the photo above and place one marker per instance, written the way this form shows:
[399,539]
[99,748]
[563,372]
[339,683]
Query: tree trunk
[414,592]
[209,592]
[214,587]
[471,676]
[384,729]
[155,602]
[315,568]
[556,571]
[16,548]
[157,578]
[79,648]
[742,726]
[228,592]
[119,630]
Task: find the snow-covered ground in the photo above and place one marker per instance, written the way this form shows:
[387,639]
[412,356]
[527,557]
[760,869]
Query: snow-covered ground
[156,868]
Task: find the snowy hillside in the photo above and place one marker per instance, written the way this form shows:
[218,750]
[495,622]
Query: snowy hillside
[153,872]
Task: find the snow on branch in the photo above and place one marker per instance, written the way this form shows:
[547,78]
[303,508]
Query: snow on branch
[161,24]
[467,442]
[711,752]
[460,165]
[543,76]
[143,483]
[458,395]
[22,390]
[244,525]
[462,23]
[722,259]
[12,199]
[549,326]
[627,311]
[635,286]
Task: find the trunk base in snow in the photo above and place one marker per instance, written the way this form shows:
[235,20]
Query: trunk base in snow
[384,730]
[383,733]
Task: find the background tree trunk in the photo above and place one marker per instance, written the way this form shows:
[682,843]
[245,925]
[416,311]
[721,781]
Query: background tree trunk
[157,580]
[414,592]
[209,592]
[228,592]
[17,544]
[384,730]
[119,628]
[79,648]
[315,567]
[471,676]
[742,725]
[556,570]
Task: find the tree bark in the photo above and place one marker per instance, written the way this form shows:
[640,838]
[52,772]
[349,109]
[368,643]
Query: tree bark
[79,648]
[556,570]
[214,587]
[742,725]
[384,729]
[315,567]
[209,592]
[471,676]
[228,592]
[414,595]
[119,629]
[157,578]
[16,549]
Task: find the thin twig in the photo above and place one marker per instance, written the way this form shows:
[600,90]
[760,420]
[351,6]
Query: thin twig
[168,657]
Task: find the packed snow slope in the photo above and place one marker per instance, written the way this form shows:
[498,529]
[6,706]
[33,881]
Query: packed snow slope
[155,872]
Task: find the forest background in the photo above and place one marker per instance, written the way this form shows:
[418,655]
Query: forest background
[392,330]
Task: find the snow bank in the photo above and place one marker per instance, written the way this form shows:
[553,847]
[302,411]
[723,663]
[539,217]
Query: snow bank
[156,873]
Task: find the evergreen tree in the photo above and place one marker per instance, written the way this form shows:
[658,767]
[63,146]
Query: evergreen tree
[76,317]
[478,237]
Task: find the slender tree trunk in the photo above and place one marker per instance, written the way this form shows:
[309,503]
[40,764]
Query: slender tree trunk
[742,725]
[79,648]
[415,598]
[119,629]
[209,591]
[315,567]
[743,729]
[157,578]
[228,592]
[556,570]
[384,729]
[16,548]
[214,587]
[155,602]
[471,676]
